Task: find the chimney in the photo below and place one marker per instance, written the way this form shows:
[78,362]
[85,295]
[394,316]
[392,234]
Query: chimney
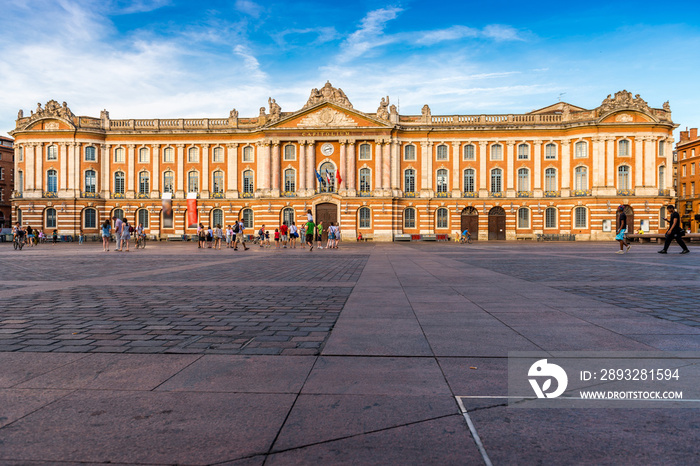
[684,136]
[693,134]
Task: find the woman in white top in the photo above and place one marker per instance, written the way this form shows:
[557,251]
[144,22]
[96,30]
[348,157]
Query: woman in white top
[293,235]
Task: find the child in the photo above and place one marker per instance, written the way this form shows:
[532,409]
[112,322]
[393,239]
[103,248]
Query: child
[55,237]
[81,237]
[267,238]
[277,238]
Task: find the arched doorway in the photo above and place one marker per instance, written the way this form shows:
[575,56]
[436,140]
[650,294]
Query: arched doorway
[326,213]
[497,224]
[470,221]
[629,211]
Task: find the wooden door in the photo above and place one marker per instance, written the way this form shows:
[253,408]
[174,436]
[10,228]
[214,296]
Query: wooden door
[326,213]
[629,212]
[470,221]
[497,224]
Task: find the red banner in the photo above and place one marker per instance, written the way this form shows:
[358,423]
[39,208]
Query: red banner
[192,210]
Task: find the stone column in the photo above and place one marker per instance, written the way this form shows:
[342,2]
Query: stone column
[537,187]
[311,168]
[180,176]
[510,169]
[131,169]
[301,173]
[668,153]
[342,169]
[276,169]
[378,168]
[483,173]
[650,162]
[232,171]
[424,156]
[205,171]
[610,163]
[352,169]
[638,162]
[565,167]
[598,162]
[65,172]
[74,154]
[39,175]
[155,174]
[456,191]
[30,165]
[386,167]
[395,167]
[106,172]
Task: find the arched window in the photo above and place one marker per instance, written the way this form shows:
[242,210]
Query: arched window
[496,152]
[193,155]
[441,181]
[365,180]
[248,218]
[409,153]
[218,155]
[581,178]
[623,177]
[523,179]
[365,217]
[90,218]
[550,151]
[496,180]
[142,217]
[287,215]
[168,182]
[248,186]
[119,183]
[118,213]
[469,180]
[192,182]
[217,182]
[550,179]
[441,218]
[50,218]
[581,149]
[623,148]
[52,152]
[409,218]
[662,177]
[217,217]
[289,152]
[119,155]
[524,218]
[550,218]
[327,172]
[143,155]
[52,181]
[90,181]
[290,184]
[248,154]
[469,152]
[442,152]
[580,217]
[409,180]
[90,155]
[523,152]
[168,155]
[365,151]
[144,183]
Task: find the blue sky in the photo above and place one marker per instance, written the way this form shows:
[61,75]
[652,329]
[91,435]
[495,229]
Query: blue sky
[171,58]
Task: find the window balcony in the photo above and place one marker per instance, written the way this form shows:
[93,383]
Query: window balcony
[470,194]
[118,196]
[625,192]
[409,194]
[496,194]
[89,195]
[364,193]
[217,195]
[552,194]
[247,195]
[443,194]
[17,195]
[143,196]
[50,195]
[581,192]
[524,194]
[288,194]
[664,192]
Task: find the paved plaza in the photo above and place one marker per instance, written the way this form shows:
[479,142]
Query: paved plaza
[174,355]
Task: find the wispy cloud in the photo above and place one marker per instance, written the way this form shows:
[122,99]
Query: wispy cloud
[125,7]
[370,34]
[249,8]
[319,35]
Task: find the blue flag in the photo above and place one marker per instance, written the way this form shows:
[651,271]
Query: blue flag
[319,177]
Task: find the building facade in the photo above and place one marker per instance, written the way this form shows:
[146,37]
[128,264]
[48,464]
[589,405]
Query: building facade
[560,170]
[7,167]
[687,172]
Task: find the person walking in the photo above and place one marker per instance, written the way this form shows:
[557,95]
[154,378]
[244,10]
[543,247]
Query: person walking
[284,230]
[106,227]
[674,231]
[622,230]
[310,228]
[261,235]
[319,234]
[277,238]
[218,235]
[240,236]
[55,237]
[293,235]
[118,232]
[126,234]
[302,235]
[201,236]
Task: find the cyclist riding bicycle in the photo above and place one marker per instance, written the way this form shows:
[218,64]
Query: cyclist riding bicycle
[465,236]
[18,233]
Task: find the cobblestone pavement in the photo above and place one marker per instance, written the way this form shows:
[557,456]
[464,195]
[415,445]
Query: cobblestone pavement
[156,301]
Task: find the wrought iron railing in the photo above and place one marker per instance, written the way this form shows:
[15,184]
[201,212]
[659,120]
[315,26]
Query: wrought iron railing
[88,195]
[524,194]
[247,195]
[288,194]
[470,194]
[625,192]
[216,195]
[50,195]
[581,192]
[496,194]
[443,194]
[552,194]
[364,193]
[143,196]
[664,192]
[409,194]
[118,196]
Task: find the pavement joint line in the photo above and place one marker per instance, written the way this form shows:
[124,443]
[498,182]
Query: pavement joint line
[475,434]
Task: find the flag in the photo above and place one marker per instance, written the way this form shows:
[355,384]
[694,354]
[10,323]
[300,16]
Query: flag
[319,178]
[337,177]
[328,177]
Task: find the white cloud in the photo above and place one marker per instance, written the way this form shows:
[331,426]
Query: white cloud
[322,35]
[125,7]
[370,34]
[501,32]
[249,7]
[449,34]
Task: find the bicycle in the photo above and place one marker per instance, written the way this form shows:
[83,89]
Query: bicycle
[141,242]
[467,239]
[18,243]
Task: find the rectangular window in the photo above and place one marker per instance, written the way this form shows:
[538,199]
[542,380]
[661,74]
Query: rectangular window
[90,218]
[442,152]
[661,148]
[218,155]
[550,151]
[2,174]
[683,170]
[52,153]
[581,149]
[168,155]
[409,152]
[143,155]
[692,188]
[90,155]
[523,218]
[90,181]
[365,152]
[168,182]
[550,218]
[469,152]
[248,154]
[523,152]
[119,155]
[409,218]
[692,168]
[497,152]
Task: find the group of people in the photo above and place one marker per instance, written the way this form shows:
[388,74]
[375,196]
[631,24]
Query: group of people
[213,237]
[32,236]
[122,232]
[674,231]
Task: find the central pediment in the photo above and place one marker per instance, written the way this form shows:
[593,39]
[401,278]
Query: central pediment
[328,115]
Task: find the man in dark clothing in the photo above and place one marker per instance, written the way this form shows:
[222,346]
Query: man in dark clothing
[674,231]
[622,230]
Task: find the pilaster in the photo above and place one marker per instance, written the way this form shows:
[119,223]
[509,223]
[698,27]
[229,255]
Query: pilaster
[395,167]
[180,177]
[275,182]
[310,168]
[537,186]
[205,171]
[638,162]
[510,169]
[455,169]
[386,167]
[352,169]
[65,172]
[130,170]
[106,171]
[483,175]
[342,169]
[155,175]
[232,171]
[378,154]
[39,175]
[301,174]
[566,168]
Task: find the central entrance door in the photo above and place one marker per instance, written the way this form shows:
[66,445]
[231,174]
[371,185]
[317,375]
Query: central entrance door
[326,213]
[470,221]
[497,224]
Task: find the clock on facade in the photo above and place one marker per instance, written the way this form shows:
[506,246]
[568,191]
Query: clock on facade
[327,149]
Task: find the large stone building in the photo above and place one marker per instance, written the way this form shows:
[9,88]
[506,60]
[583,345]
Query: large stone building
[7,166]
[560,170]
[688,178]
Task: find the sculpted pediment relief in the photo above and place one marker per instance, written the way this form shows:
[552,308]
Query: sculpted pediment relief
[627,117]
[327,118]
